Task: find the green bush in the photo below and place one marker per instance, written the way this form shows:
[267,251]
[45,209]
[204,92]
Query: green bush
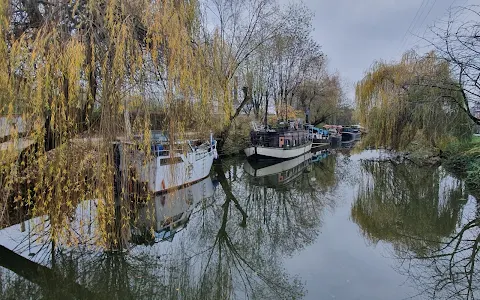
[239,137]
[473,175]
[463,160]
[459,156]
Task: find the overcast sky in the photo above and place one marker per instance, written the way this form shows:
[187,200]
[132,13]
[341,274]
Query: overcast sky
[355,33]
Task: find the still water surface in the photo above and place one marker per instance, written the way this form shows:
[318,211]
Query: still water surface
[333,226]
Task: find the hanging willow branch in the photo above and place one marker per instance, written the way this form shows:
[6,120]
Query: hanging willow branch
[75,69]
[399,103]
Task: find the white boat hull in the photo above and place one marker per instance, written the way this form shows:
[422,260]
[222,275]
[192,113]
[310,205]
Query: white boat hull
[277,168]
[278,153]
[163,177]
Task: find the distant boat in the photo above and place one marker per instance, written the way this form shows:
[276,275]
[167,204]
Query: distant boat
[175,165]
[350,133]
[287,141]
[320,155]
[335,137]
[169,213]
[335,140]
[360,128]
[317,135]
[279,173]
[347,137]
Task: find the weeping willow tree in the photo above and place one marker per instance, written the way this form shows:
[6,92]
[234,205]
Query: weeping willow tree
[408,100]
[412,207]
[93,68]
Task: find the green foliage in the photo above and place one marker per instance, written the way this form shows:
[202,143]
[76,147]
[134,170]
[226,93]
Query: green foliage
[322,96]
[86,65]
[458,158]
[473,176]
[463,160]
[400,102]
[239,137]
[345,116]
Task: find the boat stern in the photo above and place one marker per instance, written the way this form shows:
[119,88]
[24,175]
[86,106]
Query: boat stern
[250,151]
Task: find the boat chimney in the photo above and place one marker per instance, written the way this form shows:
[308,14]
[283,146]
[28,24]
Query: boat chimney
[211,141]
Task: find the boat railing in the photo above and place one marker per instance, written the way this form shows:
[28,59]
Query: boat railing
[159,150]
[291,138]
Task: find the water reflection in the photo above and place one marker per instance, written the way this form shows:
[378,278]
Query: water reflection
[277,173]
[421,212]
[160,219]
[225,237]
[229,236]
[399,201]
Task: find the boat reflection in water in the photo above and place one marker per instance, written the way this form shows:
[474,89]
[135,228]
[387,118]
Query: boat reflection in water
[161,219]
[272,174]
[320,155]
[278,173]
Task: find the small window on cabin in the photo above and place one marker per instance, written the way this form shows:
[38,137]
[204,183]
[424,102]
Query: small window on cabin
[170,161]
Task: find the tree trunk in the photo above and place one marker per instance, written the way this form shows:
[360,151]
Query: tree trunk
[52,282]
[49,138]
[226,131]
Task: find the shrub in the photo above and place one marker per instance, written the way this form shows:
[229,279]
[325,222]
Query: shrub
[473,175]
[459,157]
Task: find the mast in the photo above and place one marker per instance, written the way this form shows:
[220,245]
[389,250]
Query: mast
[266,110]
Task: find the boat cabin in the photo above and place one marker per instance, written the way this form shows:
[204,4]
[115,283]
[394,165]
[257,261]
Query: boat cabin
[316,130]
[279,139]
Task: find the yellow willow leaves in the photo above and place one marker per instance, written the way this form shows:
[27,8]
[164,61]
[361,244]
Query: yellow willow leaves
[184,62]
[4,78]
[398,104]
[292,114]
[381,101]
[44,76]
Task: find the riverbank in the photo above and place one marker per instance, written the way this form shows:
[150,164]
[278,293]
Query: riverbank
[463,160]
[460,158]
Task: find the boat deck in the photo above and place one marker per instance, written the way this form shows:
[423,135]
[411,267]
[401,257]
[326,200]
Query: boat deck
[23,143]
[320,146]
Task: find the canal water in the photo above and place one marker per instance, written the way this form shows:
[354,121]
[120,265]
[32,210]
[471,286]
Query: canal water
[333,225]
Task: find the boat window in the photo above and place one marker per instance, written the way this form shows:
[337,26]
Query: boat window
[170,161]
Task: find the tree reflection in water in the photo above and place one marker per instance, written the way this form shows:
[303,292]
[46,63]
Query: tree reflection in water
[420,212]
[234,247]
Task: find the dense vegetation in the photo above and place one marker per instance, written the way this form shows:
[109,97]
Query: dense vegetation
[463,160]
[399,103]
[83,74]
[426,101]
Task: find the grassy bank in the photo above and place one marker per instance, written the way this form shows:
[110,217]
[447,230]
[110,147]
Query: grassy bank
[463,160]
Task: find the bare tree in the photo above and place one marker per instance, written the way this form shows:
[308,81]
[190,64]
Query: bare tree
[457,41]
[322,96]
[235,30]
